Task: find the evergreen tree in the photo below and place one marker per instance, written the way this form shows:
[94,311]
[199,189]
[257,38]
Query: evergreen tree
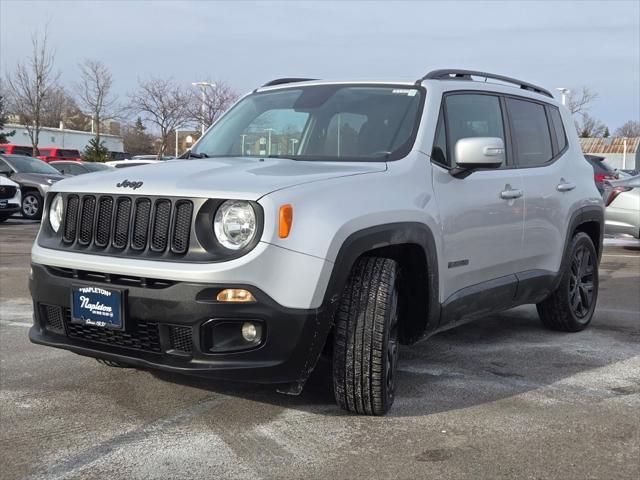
[4,136]
[606,133]
[95,151]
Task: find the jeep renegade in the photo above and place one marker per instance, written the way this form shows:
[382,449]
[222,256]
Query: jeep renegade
[326,218]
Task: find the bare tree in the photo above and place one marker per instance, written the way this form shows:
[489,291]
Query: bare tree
[590,127]
[580,101]
[94,92]
[60,107]
[162,103]
[30,84]
[630,129]
[217,99]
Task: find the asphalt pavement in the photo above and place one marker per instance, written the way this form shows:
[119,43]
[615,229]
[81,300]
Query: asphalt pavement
[500,398]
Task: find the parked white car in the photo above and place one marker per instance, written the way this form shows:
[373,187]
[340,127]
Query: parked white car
[10,198]
[622,198]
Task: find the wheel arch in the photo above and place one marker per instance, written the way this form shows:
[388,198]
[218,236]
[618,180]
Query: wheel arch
[413,246]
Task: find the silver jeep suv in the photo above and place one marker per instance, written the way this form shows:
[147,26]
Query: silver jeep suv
[326,218]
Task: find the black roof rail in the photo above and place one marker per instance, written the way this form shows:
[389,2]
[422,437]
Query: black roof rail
[280,81]
[455,74]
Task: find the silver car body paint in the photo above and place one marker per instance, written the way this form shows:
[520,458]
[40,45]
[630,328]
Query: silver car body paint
[332,200]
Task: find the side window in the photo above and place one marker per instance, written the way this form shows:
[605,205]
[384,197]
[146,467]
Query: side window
[439,150]
[75,169]
[472,115]
[558,128]
[530,132]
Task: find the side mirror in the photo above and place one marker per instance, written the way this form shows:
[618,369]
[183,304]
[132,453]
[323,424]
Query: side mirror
[477,152]
[6,172]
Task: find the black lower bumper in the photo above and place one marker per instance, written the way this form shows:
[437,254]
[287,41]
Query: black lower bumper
[155,310]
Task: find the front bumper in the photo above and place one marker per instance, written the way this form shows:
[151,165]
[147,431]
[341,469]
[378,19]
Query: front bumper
[293,338]
[12,206]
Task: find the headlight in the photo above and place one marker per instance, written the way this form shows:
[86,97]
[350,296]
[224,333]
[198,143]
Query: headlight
[235,224]
[55,213]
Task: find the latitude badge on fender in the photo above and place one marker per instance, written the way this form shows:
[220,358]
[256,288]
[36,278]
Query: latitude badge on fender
[128,184]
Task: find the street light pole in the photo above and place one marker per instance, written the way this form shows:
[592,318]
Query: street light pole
[564,92]
[203,86]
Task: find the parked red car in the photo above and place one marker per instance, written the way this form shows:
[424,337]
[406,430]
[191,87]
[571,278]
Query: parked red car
[12,149]
[49,154]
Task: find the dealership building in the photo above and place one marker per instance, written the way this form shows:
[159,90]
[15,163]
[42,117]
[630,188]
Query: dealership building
[618,152]
[63,138]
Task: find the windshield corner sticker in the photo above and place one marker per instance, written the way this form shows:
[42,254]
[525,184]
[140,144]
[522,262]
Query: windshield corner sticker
[405,91]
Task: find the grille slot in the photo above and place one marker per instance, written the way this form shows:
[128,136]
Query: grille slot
[121,228]
[86,219]
[71,219]
[181,339]
[141,224]
[161,221]
[54,321]
[103,227]
[181,227]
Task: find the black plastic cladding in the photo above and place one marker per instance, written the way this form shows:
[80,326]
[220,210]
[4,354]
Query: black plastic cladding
[142,226]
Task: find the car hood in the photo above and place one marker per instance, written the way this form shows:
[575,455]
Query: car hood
[37,178]
[229,177]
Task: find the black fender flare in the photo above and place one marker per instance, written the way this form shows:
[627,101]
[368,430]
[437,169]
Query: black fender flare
[582,215]
[366,240]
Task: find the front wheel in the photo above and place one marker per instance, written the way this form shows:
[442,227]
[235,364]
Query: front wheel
[365,344]
[32,206]
[570,307]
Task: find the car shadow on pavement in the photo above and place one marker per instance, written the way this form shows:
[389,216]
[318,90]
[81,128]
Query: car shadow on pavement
[494,358]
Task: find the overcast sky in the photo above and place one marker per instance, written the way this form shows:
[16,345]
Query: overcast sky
[554,44]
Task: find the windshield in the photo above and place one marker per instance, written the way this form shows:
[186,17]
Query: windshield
[96,167]
[22,164]
[321,122]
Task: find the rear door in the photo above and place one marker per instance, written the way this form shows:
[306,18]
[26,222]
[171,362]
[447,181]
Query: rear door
[540,146]
[482,215]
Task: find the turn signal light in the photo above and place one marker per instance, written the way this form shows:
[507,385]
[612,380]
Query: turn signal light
[235,295]
[286,220]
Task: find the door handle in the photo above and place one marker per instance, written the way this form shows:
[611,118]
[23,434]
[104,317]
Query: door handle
[565,186]
[510,194]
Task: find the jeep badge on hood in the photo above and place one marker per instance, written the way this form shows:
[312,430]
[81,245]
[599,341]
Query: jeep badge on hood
[127,183]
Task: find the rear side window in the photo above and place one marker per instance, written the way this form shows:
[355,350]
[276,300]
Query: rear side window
[558,128]
[45,151]
[530,132]
[68,153]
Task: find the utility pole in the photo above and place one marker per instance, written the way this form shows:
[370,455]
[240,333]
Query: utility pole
[203,108]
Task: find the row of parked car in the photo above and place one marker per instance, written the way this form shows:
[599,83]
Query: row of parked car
[21,173]
[25,180]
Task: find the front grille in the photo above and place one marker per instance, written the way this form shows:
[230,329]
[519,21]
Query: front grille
[141,336]
[127,224]
[181,338]
[7,191]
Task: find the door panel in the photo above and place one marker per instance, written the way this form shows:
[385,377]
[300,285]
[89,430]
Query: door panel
[482,232]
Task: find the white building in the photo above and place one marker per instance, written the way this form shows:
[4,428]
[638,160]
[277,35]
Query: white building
[63,138]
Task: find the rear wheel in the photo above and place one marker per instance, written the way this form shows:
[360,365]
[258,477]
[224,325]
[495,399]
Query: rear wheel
[32,205]
[365,348]
[570,307]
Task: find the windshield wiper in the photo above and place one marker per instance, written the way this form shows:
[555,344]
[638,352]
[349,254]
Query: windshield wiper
[190,154]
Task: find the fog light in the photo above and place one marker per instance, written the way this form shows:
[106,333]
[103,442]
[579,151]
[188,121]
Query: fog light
[237,295]
[251,332]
